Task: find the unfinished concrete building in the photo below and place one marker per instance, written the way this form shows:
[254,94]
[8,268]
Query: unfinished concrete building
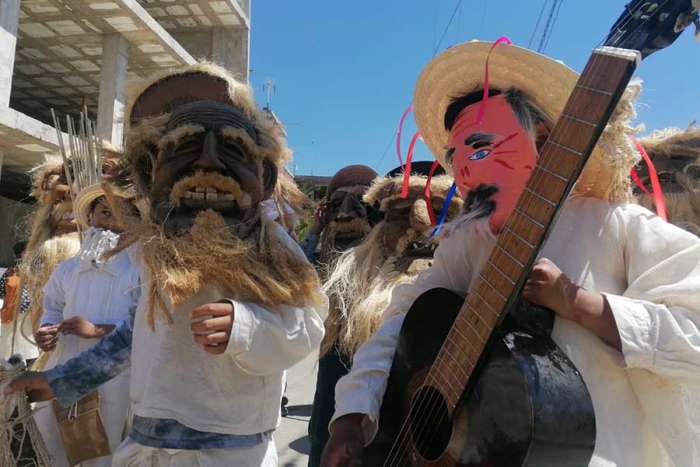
[66,54]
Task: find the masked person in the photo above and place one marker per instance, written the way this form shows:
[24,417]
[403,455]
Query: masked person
[85,298]
[622,282]
[228,300]
[53,239]
[341,217]
[362,278]
[675,155]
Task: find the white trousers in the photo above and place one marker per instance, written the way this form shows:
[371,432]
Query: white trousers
[133,454]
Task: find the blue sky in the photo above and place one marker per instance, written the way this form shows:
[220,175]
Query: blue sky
[344,71]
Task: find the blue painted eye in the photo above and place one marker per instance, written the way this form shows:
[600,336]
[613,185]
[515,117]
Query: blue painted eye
[480,155]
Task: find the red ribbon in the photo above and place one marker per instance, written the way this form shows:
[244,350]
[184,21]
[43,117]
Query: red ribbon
[482,108]
[428,202]
[657,193]
[407,167]
[398,134]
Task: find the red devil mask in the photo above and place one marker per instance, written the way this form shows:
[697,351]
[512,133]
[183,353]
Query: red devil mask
[495,151]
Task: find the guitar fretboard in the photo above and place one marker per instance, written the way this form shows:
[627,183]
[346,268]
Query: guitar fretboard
[560,163]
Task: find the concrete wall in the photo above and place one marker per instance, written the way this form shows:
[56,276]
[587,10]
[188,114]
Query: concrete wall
[13,227]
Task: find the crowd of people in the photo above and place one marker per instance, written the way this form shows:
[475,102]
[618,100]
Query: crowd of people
[167,301]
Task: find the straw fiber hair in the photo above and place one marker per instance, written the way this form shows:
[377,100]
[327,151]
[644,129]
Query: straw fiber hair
[676,156]
[548,85]
[361,280]
[21,442]
[45,249]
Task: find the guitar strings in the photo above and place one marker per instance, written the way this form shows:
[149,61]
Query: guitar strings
[432,378]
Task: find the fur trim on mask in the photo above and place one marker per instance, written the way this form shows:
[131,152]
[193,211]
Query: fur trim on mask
[674,143]
[146,140]
[386,190]
[53,163]
[241,94]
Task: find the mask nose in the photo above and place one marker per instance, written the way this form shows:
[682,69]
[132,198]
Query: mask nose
[209,159]
[419,217]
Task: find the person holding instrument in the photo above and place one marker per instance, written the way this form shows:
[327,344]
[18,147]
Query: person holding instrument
[622,282]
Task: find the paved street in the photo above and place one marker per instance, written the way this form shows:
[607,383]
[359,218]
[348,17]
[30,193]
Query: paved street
[291,436]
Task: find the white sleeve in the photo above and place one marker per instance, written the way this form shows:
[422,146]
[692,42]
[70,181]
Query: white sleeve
[265,341]
[658,316]
[362,390]
[54,297]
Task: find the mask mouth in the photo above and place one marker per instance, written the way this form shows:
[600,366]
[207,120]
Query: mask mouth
[420,250]
[209,190]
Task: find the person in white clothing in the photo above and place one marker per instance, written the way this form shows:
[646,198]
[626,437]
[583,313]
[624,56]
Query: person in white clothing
[623,283]
[86,298]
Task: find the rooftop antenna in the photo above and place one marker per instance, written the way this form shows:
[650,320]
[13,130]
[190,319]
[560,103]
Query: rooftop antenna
[269,88]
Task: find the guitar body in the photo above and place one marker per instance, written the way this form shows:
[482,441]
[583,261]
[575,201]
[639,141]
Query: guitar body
[527,406]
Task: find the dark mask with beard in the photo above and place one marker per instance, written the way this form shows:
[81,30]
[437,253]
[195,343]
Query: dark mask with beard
[351,218]
[206,158]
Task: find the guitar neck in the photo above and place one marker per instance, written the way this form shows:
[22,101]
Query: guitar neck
[561,161]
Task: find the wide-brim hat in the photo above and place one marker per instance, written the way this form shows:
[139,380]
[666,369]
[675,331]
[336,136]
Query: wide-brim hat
[82,202]
[547,82]
[85,198]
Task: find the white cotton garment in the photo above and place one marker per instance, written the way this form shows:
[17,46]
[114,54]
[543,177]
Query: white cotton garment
[133,454]
[236,393]
[102,294]
[647,397]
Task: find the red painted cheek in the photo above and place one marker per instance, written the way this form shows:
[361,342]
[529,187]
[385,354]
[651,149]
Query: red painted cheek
[504,164]
[465,172]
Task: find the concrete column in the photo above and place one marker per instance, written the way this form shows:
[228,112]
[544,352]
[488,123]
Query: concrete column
[9,19]
[230,49]
[110,104]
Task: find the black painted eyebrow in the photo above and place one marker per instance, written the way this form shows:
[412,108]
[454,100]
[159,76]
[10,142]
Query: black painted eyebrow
[478,137]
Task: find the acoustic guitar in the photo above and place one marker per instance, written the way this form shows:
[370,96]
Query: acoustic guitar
[485,385]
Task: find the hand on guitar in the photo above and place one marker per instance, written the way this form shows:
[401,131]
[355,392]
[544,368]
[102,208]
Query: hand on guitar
[548,286]
[346,444]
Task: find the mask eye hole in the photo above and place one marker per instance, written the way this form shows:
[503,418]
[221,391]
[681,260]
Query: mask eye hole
[478,155]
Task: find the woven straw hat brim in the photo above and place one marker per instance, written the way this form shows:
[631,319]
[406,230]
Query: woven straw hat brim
[81,205]
[460,70]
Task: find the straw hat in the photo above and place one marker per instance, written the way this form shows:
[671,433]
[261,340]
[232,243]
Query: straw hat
[82,202]
[546,82]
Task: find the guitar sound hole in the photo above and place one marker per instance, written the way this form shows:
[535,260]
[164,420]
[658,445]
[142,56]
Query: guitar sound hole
[431,427]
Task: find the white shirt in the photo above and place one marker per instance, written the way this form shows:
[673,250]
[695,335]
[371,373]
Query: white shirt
[646,398]
[102,294]
[236,393]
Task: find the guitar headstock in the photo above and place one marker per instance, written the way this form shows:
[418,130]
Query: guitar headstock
[651,25]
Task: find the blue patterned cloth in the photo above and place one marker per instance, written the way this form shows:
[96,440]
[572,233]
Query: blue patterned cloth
[112,355]
[308,246]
